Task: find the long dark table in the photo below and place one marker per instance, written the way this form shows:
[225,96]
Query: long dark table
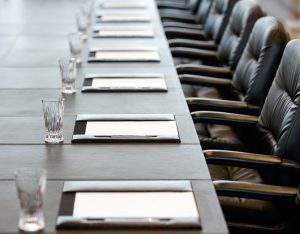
[32,39]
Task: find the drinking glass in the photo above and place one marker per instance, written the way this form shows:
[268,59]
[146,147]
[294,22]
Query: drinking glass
[75,43]
[68,73]
[82,25]
[87,10]
[53,109]
[31,186]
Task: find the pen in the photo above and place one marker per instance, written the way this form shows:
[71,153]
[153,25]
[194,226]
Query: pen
[130,220]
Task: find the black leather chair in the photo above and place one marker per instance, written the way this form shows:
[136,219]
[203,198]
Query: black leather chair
[189,5]
[210,36]
[246,92]
[244,15]
[257,189]
[178,8]
[187,19]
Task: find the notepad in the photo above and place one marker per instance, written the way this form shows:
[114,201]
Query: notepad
[123,32]
[135,205]
[122,4]
[129,83]
[124,82]
[127,55]
[125,128]
[102,205]
[128,128]
[122,18]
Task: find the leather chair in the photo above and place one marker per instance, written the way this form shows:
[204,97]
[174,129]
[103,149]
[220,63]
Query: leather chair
[177,5]
[246,92]
[244,15]
[196,21]
[187,19]
[210,36]
[179,8]
[257,189]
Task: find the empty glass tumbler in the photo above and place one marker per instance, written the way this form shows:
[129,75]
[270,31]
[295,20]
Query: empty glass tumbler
[68,73]
[53,109]
[75,43]
[82,24]
[87,10]
[31,186]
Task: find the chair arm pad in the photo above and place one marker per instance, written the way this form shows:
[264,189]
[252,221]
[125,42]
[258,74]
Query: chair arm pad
[173,32]
[204,81]
[171,5]
[194,53]
[224,118]
[250,160]
[255,191]
[211,104]
[197,44]
[179,17]
[182,25]
[204,70]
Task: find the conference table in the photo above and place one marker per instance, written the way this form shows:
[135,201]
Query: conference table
[32,39]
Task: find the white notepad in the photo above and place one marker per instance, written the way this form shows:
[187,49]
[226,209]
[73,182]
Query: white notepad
[131,55]
[125,18]
[122,4]
[125,32]
[129,82]
[135,205]
[131,128]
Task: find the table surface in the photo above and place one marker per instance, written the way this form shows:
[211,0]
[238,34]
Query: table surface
[32,39]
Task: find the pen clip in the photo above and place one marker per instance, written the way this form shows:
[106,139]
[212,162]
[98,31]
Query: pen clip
[125,136]
[129,220]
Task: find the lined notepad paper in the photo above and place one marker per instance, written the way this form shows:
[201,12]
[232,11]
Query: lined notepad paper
[114,17]
[135,204]
[129,82]
[127,128]
[110,32]
[123,55]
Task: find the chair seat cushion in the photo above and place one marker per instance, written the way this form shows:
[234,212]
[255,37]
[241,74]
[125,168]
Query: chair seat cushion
[242,209]
[213,136]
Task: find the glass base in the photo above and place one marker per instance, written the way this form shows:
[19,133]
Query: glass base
[78,60]
[77,57]
[84,37]
[54,138]
[31,223]
[68,91]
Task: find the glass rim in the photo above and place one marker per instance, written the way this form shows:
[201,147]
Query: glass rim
[42,171]
[75,34]
[53,99]
[65,60]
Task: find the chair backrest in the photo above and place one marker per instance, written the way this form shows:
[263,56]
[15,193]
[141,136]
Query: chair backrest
[193,5]
[259,62]
[244,15]
[203,10]
[279,122]
[218,19]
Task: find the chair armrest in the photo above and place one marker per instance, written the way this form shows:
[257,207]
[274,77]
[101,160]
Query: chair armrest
[179,18]
[183,25]
[211,104]
[197,44]
[255,191]
[251,160]
[221,72]
[204,81]
[171,5]
[195,54]
[224,118]
[173,32]
[181,12]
